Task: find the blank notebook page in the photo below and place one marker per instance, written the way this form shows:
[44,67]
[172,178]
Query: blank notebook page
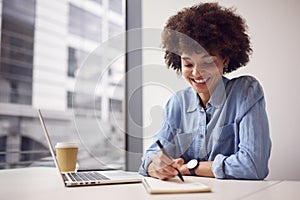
[174,185]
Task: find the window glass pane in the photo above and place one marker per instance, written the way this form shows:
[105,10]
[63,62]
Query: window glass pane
[116,5]
[84,23]
[76,58]
[83,103]
[45,46]
[98,1]
[19,11]
[114,29]
[17,34]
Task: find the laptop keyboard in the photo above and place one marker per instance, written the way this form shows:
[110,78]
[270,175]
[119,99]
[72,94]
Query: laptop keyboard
[86,176]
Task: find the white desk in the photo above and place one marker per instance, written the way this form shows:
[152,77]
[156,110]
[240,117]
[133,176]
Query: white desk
[45,183]
[283,190]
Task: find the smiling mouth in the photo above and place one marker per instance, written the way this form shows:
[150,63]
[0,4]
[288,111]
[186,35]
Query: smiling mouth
[201,81]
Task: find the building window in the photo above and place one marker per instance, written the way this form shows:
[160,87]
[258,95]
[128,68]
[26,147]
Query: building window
[85,24]
[83,103]
[75,58]
[98,1]
[114,29]
[2,151]
[69,99]
[17,38]
[116,5]
[116,105]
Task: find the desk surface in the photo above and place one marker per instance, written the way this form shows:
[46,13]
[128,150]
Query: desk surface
[45,183]
[280,191]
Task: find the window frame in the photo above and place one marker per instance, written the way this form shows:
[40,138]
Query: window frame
[134,114]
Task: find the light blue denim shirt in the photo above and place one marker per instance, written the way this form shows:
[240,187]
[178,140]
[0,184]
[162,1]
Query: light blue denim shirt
[233,131]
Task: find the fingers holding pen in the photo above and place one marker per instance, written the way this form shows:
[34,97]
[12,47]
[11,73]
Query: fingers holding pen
[164,164]
[163,167]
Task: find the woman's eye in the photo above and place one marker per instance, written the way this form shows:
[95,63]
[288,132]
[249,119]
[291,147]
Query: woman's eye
[188,65]
[209,64]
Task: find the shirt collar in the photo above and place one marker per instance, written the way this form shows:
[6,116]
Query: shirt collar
[217,98]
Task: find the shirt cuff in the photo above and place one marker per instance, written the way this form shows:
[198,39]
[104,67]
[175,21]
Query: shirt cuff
[217,167]
[145,164]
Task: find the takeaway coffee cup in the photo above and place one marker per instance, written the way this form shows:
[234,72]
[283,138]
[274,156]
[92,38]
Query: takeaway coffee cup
[66,153]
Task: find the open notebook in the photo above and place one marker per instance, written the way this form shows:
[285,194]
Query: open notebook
[174,185]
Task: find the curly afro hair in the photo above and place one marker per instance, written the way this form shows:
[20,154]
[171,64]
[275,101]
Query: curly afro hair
[215,29]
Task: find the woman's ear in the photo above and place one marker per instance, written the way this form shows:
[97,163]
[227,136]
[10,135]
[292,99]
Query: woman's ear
[226,61]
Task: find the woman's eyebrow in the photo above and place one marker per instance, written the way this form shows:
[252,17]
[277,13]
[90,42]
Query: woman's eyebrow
[185,58]
[207,55]
[204,56]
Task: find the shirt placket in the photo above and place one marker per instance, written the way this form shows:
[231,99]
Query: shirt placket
[202,134]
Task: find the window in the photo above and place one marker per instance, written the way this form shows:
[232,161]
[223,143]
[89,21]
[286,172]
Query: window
[116,5]
[98,1]
[75,58]
[17,34]
[84,103]
[84,23]
[116,105]
[43,46]
[114,29]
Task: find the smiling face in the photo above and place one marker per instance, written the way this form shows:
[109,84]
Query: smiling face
[203,72]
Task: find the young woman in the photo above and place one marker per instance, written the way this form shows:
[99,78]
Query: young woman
[217,127]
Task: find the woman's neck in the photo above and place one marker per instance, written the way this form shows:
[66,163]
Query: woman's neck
[204,99]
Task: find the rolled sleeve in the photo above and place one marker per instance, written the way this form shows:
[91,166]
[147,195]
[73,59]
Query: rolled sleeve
[217,167]
[146,160]
[252,143]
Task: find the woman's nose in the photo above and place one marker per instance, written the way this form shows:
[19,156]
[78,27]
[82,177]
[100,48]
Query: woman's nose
[196,71]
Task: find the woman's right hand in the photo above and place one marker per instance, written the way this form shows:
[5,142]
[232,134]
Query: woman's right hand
[163,167]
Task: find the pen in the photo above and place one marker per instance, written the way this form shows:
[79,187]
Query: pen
[164,152]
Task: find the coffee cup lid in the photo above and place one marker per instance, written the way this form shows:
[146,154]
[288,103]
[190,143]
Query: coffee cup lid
[66,145]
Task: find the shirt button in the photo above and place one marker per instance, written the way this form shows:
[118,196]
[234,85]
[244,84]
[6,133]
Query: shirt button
[201,136]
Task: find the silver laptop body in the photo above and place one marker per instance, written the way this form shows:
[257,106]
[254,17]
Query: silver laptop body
[85,178]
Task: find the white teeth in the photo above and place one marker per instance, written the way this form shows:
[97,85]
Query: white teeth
[200,81]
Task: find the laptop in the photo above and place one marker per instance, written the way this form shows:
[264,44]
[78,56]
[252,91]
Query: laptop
[86,178]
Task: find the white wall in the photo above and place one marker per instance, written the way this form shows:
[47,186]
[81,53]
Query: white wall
[274,29]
